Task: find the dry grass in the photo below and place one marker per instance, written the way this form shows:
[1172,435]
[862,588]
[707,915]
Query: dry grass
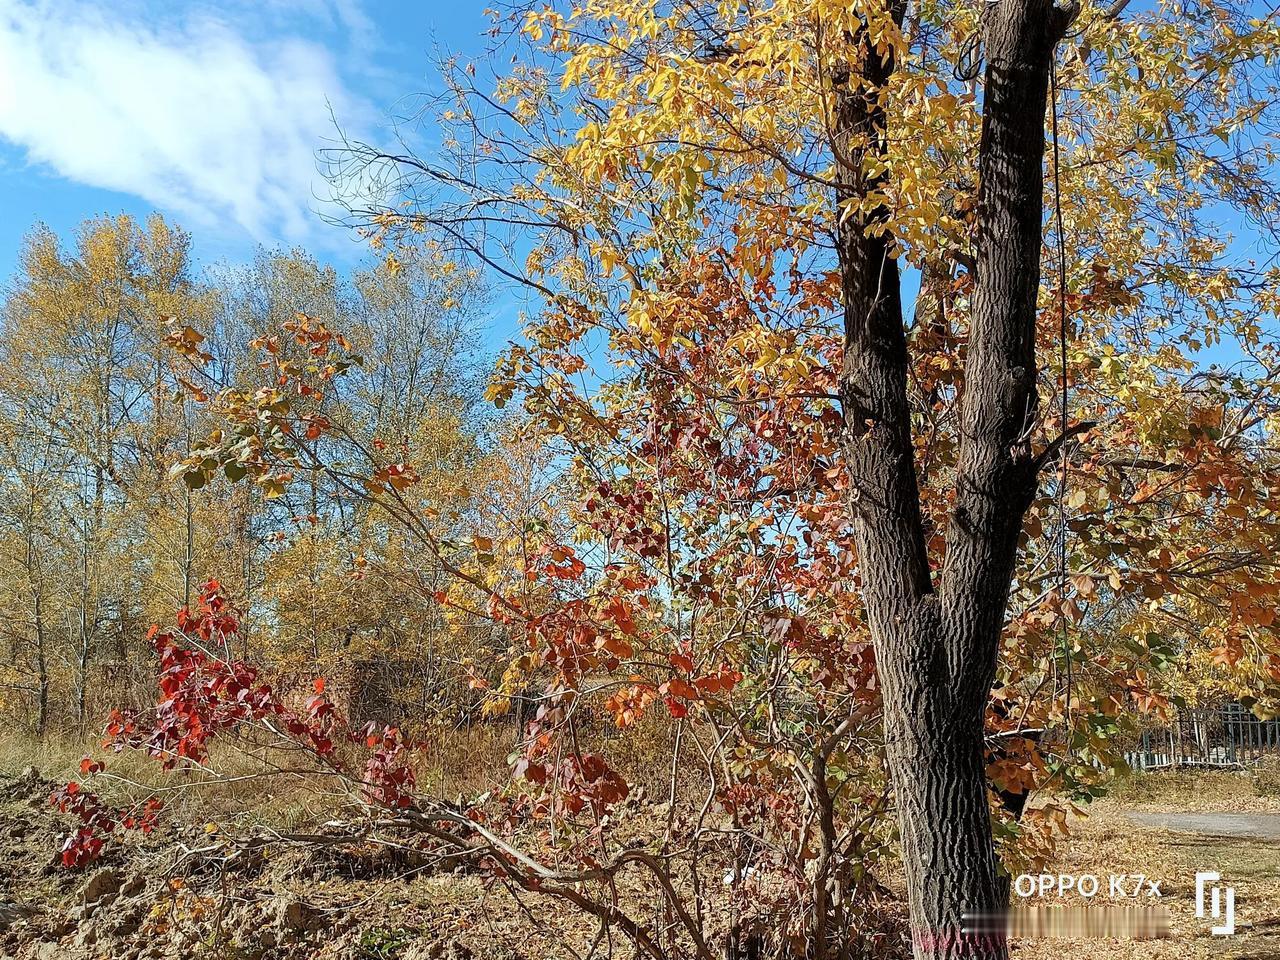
[244,784]
[238,788]
[1106,842]
[1206,790]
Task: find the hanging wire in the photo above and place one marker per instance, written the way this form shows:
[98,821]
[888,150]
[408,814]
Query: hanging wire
[969,65]
[1062,396]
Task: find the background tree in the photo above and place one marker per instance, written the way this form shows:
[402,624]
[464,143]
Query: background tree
[84,389]
[98,405]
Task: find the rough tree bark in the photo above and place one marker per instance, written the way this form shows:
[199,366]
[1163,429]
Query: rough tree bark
[937,642]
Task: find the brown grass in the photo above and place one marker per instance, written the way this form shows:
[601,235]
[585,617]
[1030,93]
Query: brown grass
[1105,842]
[243,785]
[1203,790]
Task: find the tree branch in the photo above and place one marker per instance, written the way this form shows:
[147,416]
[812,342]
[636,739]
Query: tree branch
[996,473]
[1055,446]
[884,494]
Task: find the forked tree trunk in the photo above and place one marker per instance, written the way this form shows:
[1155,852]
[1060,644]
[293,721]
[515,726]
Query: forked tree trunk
[937,642]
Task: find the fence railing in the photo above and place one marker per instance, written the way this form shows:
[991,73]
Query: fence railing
[1227,736]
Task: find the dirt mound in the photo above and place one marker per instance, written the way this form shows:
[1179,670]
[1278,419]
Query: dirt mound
[170,894]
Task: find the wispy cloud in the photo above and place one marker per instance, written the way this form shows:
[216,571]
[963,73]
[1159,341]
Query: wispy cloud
[193,116]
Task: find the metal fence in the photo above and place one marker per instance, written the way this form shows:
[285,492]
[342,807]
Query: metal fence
[1227,736]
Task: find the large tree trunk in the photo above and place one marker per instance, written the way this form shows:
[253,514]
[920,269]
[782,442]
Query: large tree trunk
[936,647]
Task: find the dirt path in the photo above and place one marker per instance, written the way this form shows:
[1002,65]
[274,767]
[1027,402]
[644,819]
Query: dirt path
[1257,826]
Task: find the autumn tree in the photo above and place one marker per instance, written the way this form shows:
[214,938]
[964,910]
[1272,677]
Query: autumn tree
[86,395]
[30,524]
[98,401]
[808,237]
[348,584]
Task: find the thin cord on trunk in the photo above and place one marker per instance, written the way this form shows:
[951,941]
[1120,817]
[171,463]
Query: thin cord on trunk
[1062,396]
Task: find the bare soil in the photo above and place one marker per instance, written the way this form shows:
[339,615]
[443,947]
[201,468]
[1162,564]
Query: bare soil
[155,896]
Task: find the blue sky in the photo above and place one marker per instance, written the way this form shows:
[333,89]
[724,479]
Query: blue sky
[210,112]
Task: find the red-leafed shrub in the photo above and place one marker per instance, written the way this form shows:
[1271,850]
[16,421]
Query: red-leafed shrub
[204,693]
[84,844]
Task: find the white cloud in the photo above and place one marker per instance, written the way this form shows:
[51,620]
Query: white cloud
[193,116]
